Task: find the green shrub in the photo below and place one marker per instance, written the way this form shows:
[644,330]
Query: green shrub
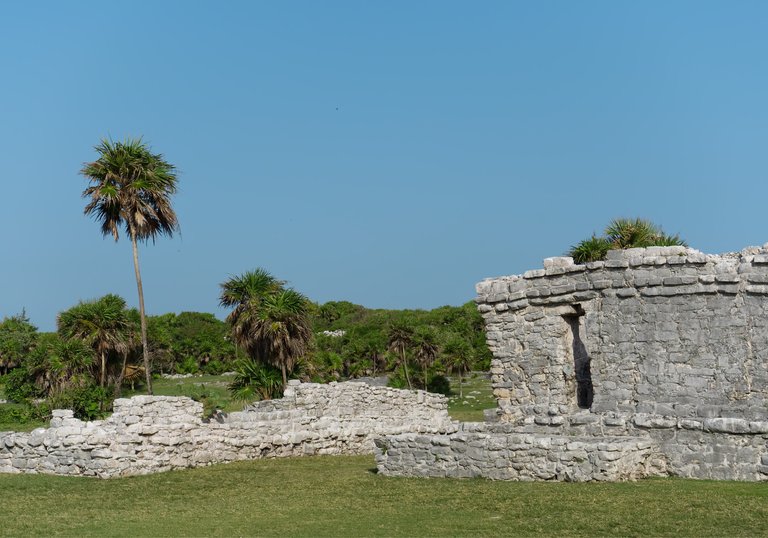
[214,367]
[590,250]
[19,387]
[210,399]
[397,380]
[439,384]
[187,366]
[620,234]
[255,380]
[88,402]
[24,413]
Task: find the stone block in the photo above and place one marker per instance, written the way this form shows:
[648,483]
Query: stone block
[726,425]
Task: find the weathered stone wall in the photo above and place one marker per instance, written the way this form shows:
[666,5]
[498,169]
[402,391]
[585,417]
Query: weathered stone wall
[500,455]
[665,329]
[665,342]
[148,434]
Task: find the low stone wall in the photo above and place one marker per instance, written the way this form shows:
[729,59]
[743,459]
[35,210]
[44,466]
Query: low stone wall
[518,456]
[713,447]
[573,448]
[148,434]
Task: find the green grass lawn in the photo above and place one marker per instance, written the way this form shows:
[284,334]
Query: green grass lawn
[212,386]
[477,396]
[341,496]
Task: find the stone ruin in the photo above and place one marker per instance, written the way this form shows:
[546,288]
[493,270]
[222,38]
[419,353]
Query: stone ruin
[653,362]
[150,434]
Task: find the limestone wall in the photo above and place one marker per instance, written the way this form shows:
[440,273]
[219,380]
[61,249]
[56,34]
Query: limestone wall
[664,330]
[148,434]
[502,455]
[665,342]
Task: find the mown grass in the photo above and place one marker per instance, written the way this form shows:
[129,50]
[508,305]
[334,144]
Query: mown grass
[477,396]
[341,496]
[213,387]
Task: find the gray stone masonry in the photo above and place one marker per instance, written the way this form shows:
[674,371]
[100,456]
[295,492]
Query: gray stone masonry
[518,456]
[659,353]
[149,434]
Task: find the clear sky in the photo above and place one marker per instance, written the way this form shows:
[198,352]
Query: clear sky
[387,153]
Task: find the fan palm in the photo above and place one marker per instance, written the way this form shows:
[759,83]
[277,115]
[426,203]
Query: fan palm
[269,322]
[426,351]
[244,294]
[132,187]
[460,360]
[283,331]
[399,339]
[104,325]
[621,234]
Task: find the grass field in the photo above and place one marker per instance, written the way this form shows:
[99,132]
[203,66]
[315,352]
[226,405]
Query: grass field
[477,397]
[341,496]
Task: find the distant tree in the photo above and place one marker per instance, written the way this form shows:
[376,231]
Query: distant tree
[460,360]
[196,336]
[623,233]
[271,323]
[426,351]
[104,325]
[399,339]
[283,332]
[57,364]
[132,187]
[245,294]
[17,339]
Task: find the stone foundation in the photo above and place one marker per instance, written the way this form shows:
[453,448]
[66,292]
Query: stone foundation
[518,456]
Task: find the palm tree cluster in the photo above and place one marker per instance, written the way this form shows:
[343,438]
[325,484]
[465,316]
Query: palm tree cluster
[620,234]
[108,329]
[75,366]
[422,345]
[269,321]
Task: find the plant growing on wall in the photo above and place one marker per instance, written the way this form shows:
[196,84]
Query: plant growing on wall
[620,234]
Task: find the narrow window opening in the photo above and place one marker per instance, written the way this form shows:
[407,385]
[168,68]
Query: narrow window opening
[581,360]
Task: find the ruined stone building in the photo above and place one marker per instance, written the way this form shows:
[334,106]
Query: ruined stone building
[653,362]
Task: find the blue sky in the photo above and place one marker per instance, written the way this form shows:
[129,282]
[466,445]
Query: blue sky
[387,153]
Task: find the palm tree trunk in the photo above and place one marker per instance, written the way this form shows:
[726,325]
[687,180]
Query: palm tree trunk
[425,376]
[285,376]
[142,315]
[405,369]
[103,377]
[119,383]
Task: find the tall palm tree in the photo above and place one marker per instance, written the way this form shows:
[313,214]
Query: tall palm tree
[269,322]
[104,325]
[132,187]
[399,339]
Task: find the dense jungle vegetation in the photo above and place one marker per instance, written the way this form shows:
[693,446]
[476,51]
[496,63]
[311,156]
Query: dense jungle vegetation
[95,353]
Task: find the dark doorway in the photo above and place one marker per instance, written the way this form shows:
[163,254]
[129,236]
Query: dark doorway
[581,360]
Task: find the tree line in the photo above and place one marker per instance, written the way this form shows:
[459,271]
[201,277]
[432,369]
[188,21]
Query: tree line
[272,334]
